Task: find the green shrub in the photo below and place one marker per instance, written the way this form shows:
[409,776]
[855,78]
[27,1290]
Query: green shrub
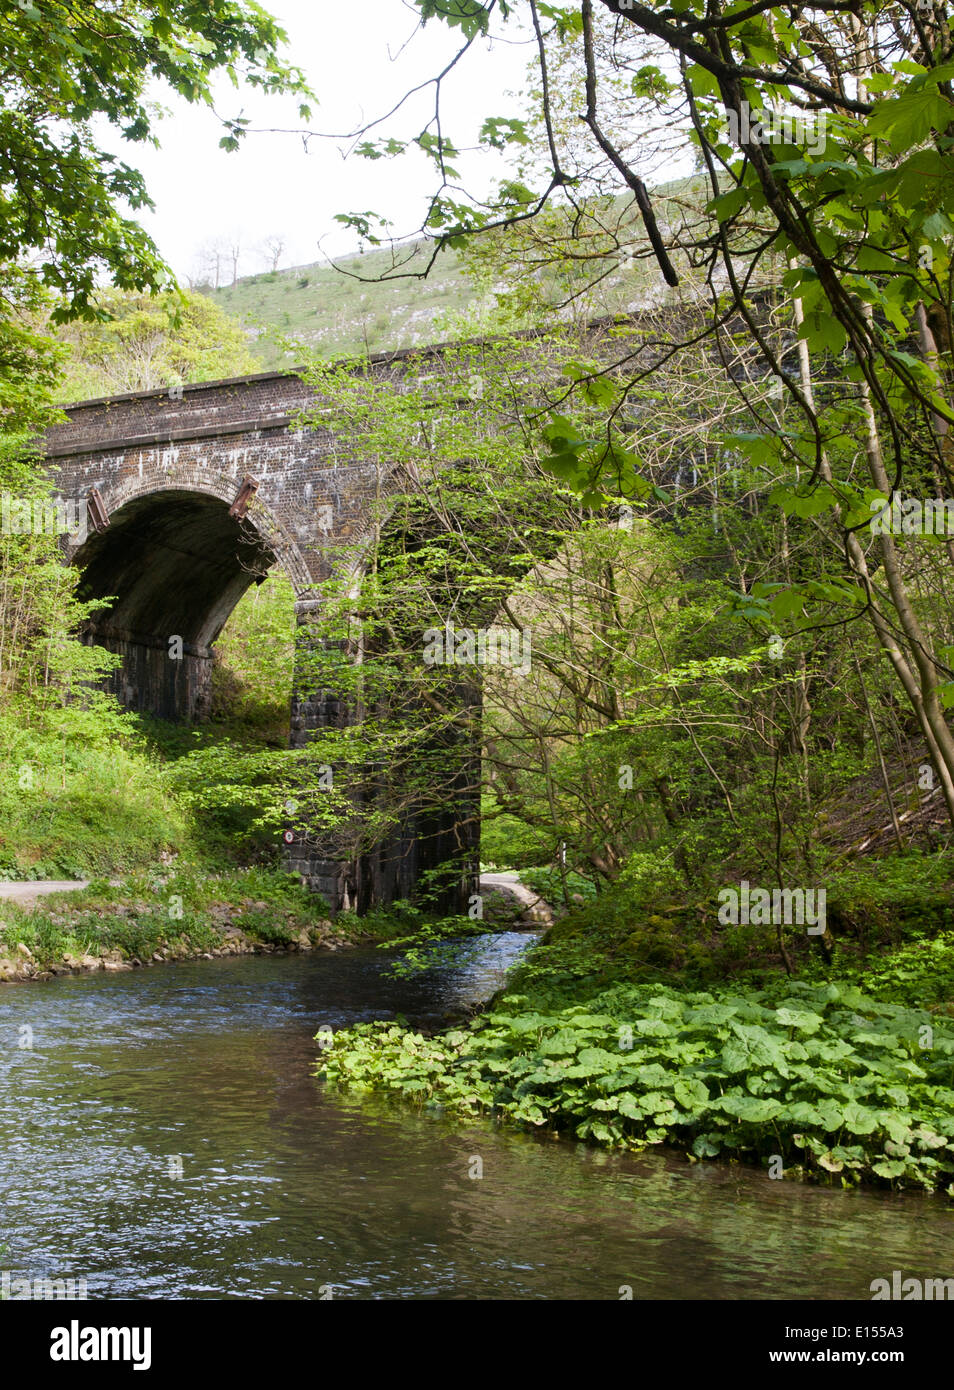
[827,1078]
[80,795]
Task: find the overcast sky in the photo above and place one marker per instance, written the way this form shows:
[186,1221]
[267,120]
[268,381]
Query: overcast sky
[351,52]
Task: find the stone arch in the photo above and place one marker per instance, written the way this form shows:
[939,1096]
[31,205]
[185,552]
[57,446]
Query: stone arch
[172,564]
[151,481]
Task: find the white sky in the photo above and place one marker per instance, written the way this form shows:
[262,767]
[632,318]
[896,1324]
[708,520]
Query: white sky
[350,51]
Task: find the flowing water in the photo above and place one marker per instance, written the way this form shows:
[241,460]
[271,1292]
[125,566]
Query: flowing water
[165,1137]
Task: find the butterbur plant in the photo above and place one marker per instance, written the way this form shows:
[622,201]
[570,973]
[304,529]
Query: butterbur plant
[834,1082]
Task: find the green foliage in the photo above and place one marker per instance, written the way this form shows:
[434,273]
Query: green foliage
[830,1079]
[919,973]
[554,886]
[79,66]
[29,363]
[507,842]
[253,676]
[79,795]
[233,793]
[138,342]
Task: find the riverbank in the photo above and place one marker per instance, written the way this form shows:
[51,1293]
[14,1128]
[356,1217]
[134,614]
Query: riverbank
[149,919]
[186,913]
[844,1074]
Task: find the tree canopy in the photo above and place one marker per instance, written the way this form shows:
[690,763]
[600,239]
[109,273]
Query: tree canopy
[150,341]
[68,65]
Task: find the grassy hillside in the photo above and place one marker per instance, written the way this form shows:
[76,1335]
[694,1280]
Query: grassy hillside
[348,309]
[340,315]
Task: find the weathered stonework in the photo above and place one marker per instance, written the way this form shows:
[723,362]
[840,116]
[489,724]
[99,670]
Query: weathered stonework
[168,466]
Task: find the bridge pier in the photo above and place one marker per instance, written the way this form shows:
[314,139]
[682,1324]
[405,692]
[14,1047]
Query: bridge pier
[149,682]
[435,839]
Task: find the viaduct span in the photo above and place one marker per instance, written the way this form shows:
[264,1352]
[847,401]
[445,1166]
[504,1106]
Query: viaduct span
[192,494]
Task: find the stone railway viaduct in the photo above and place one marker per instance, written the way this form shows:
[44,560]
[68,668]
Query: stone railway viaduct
[193,493]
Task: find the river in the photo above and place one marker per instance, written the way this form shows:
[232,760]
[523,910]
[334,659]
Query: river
[165,1137]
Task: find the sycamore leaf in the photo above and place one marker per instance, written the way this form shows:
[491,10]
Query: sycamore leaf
[908,119]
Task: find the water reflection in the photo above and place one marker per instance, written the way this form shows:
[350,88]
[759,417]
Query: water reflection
[165,1139]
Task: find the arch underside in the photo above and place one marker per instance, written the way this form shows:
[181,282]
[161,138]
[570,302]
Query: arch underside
[172,565]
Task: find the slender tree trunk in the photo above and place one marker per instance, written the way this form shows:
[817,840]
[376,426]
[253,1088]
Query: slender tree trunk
[920,688]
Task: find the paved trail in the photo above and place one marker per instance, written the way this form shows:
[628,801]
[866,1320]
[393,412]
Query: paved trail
[26,893]
[536,910]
